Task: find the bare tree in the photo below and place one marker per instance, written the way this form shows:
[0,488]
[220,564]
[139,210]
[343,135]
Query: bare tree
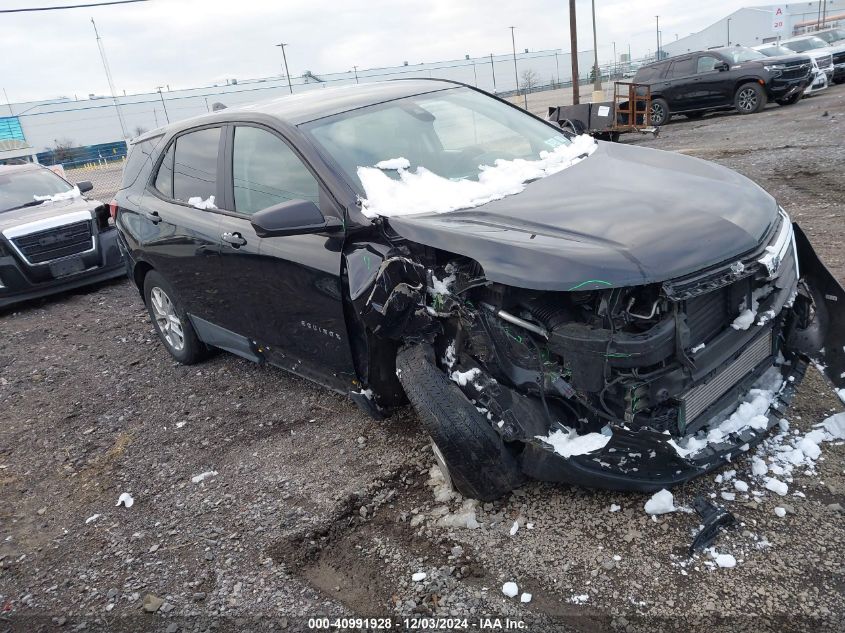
[139,129]
[62,150]
[529,80]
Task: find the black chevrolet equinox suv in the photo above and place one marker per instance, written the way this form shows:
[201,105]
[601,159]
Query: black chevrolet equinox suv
[723,78]
[553,307]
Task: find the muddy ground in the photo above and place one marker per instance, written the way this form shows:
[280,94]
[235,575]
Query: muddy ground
[316,509]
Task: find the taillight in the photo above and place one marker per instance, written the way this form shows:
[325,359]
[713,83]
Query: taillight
[113,209]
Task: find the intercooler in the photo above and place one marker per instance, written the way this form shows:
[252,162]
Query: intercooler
[695,401]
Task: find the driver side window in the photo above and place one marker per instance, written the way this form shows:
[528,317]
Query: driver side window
[707,64]
[267,172]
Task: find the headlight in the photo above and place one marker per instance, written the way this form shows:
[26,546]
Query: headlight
[775,69]
[779,248]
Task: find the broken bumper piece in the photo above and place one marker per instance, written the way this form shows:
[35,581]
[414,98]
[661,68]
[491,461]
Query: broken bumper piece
[648,461]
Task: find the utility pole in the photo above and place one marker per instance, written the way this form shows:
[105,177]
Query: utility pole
[355,68]
[614,60]
[166,116]
[657,32]
[573,43]
[493,68]
[598,93]
[729,31]
[515,73]
[109,79]
[285,57]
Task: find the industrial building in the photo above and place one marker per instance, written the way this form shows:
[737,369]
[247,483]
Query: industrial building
[751,26]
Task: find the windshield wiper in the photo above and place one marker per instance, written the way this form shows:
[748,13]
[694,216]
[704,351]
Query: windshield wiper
[34,203]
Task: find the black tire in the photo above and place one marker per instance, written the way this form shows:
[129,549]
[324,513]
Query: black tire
[791,100]
[480,465]
[660,113]
[839,80]
[694,115]
[750,98]
[191,350]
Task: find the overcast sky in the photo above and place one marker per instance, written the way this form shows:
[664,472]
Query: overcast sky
[187,43]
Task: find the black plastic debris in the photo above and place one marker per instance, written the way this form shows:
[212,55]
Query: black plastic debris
[713,517]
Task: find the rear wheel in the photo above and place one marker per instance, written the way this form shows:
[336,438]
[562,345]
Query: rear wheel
[790,100]
[659,112]
[467,448]
[171,322]
[750,98]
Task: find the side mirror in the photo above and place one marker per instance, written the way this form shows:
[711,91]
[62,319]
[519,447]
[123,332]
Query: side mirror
[294,217]
[85,185]
[723,66]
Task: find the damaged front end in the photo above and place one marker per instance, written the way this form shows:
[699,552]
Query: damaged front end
[628,388]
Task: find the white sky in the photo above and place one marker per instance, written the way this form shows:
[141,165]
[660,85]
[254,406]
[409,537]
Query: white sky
[186,43]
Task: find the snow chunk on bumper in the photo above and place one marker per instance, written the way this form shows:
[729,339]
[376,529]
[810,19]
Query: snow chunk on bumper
[423,191]
[567,444]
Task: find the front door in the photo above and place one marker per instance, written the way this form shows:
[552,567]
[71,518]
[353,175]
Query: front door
[716,85]
[290,286]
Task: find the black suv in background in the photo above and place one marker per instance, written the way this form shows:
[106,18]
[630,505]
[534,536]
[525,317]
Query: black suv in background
[737,77]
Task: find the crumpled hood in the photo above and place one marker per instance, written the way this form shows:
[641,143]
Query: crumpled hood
[45,210]
[624,216]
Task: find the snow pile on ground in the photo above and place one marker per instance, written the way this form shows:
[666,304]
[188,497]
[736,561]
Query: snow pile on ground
[57,197]
[661,502]
[423,191]
[443,492]
[568,443]
[722,560]
[199,203]
[92,518]
[420,575]
[203,476]
[510,589]
[579,599]
[841,394]
[465,517]
[125,499]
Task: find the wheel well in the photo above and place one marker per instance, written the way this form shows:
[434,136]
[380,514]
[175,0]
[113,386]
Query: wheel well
[747,80]
[139,273]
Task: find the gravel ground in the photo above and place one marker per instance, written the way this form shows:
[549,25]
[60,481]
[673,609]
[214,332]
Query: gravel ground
[314,509]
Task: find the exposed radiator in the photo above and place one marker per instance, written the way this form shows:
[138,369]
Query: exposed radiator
[695,401]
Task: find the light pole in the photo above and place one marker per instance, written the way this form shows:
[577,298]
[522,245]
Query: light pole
[729,31]
[614,60]
[355,68]
[109,79]
[573,43]
[166,116]
[285,57]
[515,73]
[493,68]
[597,91]
[657,32]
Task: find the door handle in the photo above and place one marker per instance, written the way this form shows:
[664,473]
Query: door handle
[153,216]
[235,240]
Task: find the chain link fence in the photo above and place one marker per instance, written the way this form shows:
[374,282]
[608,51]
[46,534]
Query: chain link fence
[104,175]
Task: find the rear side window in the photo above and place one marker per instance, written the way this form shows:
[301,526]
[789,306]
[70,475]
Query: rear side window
[164,177]
[682,68]
[649,73]
[195,165]
[139,157]
[267,172]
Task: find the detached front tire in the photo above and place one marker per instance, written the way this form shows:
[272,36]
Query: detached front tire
[171,321]
[480,465]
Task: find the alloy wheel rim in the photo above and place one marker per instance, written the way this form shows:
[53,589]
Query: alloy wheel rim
[747,99]
[656,113]
[169,323]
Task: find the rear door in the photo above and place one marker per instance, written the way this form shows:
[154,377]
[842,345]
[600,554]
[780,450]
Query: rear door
[681,92]
[286,291]
[180,240]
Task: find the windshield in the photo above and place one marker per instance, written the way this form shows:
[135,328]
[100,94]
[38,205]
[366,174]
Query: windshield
[806,44]
[832,36]
[775,51]
[449,132]
[19,188]
[741,54]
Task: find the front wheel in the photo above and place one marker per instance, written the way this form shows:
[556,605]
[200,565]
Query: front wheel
[475,457]
[659,114]
[750,98]
[171,321]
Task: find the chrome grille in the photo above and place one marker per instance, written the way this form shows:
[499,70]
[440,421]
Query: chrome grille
[824,62]
[695,401]
[55,243]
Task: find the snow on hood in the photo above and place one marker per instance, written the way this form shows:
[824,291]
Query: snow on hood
[423,191]
[65,195]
